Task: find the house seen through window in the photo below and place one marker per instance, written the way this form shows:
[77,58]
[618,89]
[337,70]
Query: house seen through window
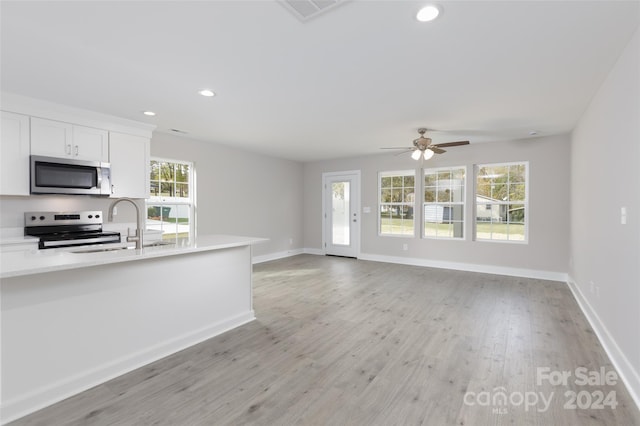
[170,207]
[444,202]
[501,202]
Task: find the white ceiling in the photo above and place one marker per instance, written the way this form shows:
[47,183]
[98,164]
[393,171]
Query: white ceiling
[361,76]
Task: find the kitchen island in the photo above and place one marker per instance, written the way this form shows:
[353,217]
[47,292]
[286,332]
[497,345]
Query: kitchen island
[71,321]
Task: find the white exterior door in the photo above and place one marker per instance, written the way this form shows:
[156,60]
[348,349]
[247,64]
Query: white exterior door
[341,218]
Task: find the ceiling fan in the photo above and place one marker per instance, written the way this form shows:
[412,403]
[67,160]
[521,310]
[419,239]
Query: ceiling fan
[423,148]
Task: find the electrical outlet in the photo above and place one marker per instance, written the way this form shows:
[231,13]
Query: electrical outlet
[115,211]
[623,215]
[405,247]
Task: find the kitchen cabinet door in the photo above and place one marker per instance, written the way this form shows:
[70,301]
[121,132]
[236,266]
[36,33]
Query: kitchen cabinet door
[65,140]
[14,154]
[129,156]
[90,144]
[51,138]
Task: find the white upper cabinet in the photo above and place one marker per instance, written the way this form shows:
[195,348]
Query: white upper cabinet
[14,154]
[90,144]
[58,139]
[37,127]
[129,156]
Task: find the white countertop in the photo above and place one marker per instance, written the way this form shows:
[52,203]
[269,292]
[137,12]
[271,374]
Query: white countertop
[29,262]
[9,236]
[21,239]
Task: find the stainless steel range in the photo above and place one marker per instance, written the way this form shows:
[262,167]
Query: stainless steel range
[58,229]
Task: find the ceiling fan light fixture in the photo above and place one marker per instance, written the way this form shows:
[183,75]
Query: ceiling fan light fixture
[416,154]
[428,154]
[428,13]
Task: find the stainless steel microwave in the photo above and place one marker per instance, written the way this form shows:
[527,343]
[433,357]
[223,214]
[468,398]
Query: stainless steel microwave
[51,175]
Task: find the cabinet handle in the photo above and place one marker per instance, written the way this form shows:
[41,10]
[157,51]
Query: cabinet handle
[76,150]
[68,150]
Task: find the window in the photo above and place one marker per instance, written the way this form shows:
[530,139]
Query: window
[397,202]
[501,202]
[443,204]
[171,205]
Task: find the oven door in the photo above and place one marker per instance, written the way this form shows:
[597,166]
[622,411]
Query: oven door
[51,175]
[79,240]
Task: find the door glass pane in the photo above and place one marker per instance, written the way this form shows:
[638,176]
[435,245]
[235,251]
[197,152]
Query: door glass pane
[340,213]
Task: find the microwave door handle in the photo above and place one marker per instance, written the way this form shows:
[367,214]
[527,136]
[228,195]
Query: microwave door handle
[99,182]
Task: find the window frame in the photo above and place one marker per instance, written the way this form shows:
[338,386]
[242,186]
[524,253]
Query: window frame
[155,200]
[525,202]
[463,203]
[407,172]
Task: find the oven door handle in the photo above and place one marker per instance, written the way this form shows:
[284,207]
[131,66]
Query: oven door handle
[62,243]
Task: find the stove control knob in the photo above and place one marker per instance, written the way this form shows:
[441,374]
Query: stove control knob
[91,216]
[41,217]
[33,218]
[97,216]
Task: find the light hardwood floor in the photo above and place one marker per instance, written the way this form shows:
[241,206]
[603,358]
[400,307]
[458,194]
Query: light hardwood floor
[347,342]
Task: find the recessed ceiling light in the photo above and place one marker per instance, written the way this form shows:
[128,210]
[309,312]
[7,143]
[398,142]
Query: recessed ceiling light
[149,113]
[428,13]
[206,92]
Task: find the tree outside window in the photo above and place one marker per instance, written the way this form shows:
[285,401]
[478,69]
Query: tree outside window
[397,203]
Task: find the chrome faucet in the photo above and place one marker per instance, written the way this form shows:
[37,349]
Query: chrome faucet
[138,236]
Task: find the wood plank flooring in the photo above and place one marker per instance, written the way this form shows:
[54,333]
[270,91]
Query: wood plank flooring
[347,342]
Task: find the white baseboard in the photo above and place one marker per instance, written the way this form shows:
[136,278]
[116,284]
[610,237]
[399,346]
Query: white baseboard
[276,256]
[315,251]
[471,267]
[40,398]
[284,254]
[629,375]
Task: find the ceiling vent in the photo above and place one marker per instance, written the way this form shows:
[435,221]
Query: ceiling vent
[307,9]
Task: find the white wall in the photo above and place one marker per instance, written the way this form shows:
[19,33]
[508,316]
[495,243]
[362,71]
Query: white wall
[242,193]
[547,250]
[605,176]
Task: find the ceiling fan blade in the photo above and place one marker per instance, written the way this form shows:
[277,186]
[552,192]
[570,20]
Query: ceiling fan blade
[453,143]
[404,152]
[437,150]
[399,147]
